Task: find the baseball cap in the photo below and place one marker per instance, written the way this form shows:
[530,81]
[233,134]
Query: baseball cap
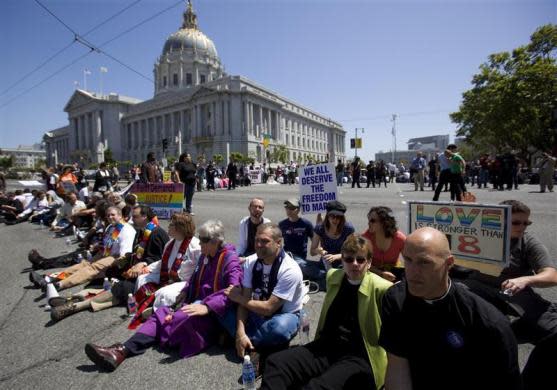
[293,202]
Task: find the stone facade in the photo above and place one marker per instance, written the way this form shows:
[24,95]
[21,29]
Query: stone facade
[24,156]
[199,109]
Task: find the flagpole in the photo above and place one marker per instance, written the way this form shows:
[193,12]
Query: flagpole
[103,70]
[393,132]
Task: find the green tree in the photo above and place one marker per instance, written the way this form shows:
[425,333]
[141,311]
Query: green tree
[512,99]
[7,162]
[237,156]
[108,157]
[40,164]
[279,154]
[218,159]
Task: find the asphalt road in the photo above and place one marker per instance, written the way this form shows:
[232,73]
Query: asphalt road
[39,354]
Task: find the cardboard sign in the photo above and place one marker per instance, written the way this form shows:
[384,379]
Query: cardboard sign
[478,234]
[164,198]
[317,187]
[255,176]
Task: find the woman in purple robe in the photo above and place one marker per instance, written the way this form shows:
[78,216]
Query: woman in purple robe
[192,324]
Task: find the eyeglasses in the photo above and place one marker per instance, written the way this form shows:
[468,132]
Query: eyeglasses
[518,223]
[204,240]
[350,259]
[335,216]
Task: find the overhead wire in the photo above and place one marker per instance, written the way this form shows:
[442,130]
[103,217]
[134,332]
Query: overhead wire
[68,45]
[92,47]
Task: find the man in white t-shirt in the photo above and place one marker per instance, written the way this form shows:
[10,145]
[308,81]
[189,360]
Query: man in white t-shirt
[117,241]
[270,299]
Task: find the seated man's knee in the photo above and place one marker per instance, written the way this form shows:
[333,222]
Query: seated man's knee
[282,329]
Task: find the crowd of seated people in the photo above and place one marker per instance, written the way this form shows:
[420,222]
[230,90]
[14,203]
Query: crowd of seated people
[192,287]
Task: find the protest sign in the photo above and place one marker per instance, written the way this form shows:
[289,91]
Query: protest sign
[255,176]
[317,187]
[478,234]
[164,198]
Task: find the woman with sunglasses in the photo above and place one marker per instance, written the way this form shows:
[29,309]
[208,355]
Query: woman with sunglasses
[192,324]
[345,352]
[329,237]
[386,242]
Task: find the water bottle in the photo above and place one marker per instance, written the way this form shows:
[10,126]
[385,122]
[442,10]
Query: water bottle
[41,224]
[106,284]
[132,305]
[79,258]
[248,374]
[304,327]
[89,256]
[68,241]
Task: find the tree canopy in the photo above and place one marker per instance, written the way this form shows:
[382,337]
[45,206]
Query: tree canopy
[513,99]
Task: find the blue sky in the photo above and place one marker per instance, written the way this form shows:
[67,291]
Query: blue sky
[357,62]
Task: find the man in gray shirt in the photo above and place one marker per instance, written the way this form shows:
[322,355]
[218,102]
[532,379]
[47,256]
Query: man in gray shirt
[511,292]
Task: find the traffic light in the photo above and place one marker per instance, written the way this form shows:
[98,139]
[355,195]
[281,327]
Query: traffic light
[352,143]
[164,144]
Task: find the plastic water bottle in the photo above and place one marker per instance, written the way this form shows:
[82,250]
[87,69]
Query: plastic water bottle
[304,327]
[68,241]
[41,224]
[106,284]
[132,305]
[79,258]
[89,256]
[248,374]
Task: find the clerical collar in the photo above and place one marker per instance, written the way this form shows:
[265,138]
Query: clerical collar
[354,282]
[432,301]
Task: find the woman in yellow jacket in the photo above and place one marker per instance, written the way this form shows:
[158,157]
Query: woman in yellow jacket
[345,353]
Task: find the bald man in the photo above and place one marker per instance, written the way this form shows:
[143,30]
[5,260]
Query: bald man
[437,334]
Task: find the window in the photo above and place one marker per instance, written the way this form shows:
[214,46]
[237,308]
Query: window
[202,79]
[188,79]
[175,79]
[164,81]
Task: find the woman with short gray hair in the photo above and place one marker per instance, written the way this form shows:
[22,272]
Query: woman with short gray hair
[213,229]
[194,320]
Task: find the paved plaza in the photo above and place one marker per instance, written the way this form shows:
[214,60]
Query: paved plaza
[37,353]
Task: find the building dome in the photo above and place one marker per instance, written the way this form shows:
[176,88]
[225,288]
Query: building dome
[190,37]
[188,58]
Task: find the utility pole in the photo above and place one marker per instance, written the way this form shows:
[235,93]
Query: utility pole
[356,140]
[393,132]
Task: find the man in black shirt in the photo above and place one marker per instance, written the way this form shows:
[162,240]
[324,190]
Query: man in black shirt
[437,334]
[186,171]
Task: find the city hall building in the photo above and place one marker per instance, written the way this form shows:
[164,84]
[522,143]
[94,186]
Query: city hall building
[196,104]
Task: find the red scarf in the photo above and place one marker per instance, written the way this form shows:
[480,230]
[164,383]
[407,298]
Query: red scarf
[173,274]
[145,296]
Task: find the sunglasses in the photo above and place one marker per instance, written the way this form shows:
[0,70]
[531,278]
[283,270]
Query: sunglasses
[350,259]
[204,240]
[518,223]
[290,207]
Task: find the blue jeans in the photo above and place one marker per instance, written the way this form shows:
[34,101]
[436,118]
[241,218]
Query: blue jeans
[312,270]
[265,332]
[189,189]
[339,178]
